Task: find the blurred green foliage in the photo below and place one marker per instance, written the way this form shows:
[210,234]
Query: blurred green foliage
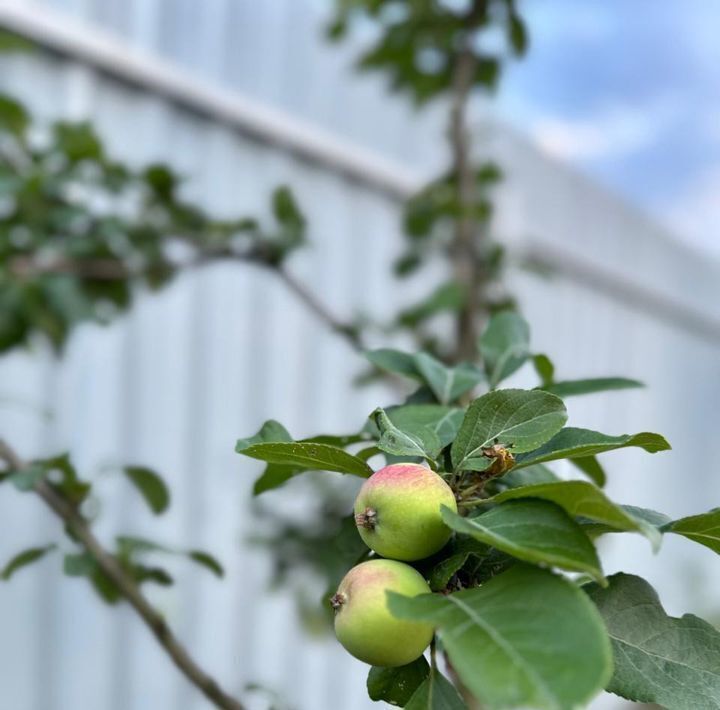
[416,43]
[79,230]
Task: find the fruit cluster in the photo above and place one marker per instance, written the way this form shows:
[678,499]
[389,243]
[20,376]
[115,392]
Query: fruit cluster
[397,513]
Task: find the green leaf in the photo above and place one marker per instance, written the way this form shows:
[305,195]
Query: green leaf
[204,559]
[529,476]
[571,443]
[26,478]
[518,419]
[444,421]
[544,368]
[704,528]
[274,476]
[535,531]
[271,430]
[151,487]
[130,548]
[524,638]
[397,685]
[591,467]
[453,557]
[13,116]
[143,573]
[23,559]
[658,658]
[78,565]
[436,693]
[572,388]
[650,518]
[583,499]
[448,297]
[59,472]
[83,565]
[517,34]
[288,214]
[394,362]
[447,383]
[321,457]
[69,483]
[412,441]
[161,180]
[341,440]
[11,42]
[78,141]
[422,395]
[504,346]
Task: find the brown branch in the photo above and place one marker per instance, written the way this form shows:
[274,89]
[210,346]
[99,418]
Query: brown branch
[80,531]
[95,269]
[115,269]
[467,265]
[316,306]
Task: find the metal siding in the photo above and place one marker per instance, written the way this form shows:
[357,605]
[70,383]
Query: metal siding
[176,381]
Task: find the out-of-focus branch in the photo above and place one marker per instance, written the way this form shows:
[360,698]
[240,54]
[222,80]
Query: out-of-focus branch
[80,531]
[113,270]
[467,265]
[314,304]
[95,269]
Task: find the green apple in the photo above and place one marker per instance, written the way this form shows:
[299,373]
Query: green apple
[363,623]
[397,511]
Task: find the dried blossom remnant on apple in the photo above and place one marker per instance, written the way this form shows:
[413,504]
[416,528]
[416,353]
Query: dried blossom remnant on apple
[367,519]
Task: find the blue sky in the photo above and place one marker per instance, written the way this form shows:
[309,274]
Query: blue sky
[629,91]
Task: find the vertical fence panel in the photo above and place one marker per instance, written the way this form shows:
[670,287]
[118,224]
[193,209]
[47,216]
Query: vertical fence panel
[174,383]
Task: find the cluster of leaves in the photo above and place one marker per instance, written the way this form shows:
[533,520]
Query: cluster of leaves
[131,553]
[420,46]
[419,43]
[79,229]
[516,629]
[429,221]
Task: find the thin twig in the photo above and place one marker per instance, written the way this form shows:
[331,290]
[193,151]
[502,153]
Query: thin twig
[467,265]
[78,528]
[316,306]
[115,269]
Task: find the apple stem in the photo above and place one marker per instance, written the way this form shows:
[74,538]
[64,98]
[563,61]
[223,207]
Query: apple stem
[367,519]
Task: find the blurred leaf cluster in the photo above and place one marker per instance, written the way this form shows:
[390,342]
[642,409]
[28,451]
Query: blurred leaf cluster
[422,47]
[416,43]
[136,556]
[79,229]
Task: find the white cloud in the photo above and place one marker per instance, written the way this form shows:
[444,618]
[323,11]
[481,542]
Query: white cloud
[612,132]
[695,212]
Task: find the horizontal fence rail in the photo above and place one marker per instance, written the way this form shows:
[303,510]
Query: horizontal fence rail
[112,56]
